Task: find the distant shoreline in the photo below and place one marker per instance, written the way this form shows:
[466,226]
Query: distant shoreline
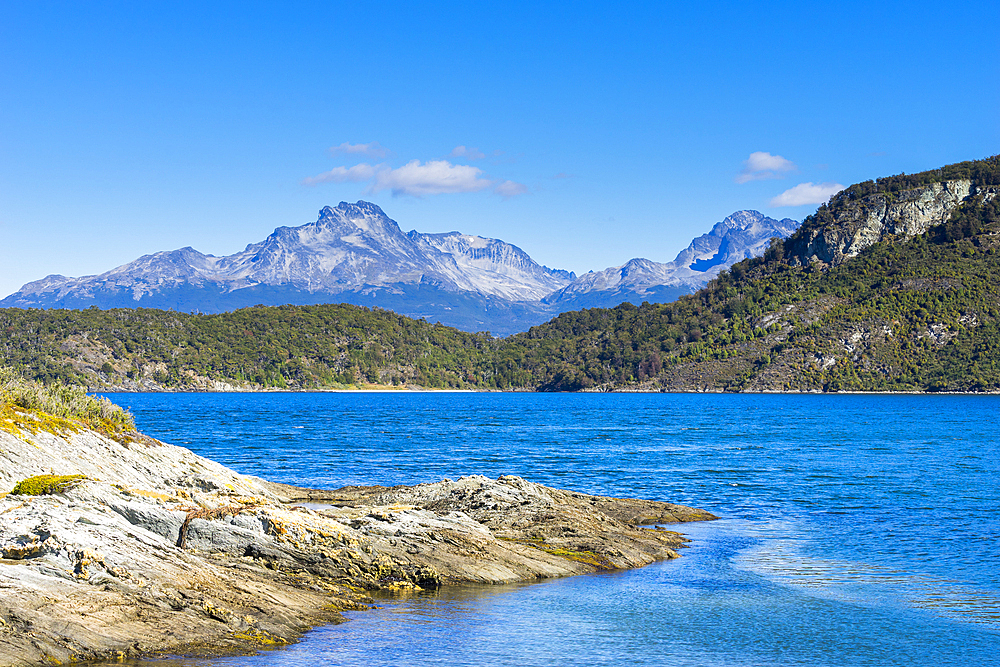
[433,390]
[318,390]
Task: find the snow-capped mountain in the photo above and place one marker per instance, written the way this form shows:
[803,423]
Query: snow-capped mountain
[742,235]
[349,247]
[354,253]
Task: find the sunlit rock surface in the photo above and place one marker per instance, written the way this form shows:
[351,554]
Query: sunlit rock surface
[158,550]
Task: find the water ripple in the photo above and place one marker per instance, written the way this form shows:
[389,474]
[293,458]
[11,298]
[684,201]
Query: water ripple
[859,530]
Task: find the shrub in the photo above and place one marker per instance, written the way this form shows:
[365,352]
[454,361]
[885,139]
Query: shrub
[65,402]
[44,485]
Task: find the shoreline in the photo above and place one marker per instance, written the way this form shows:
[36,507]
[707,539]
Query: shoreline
[421,390]
[158,551]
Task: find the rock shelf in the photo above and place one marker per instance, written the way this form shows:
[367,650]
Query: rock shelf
[158,551]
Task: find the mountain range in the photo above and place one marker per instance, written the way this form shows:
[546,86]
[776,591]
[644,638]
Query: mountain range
[892,285]
[355,253]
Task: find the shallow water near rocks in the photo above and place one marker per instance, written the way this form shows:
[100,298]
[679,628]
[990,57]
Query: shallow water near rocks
[856,530]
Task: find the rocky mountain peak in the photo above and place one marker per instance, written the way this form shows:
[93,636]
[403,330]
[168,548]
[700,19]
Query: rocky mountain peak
[359,209]
[637,266]
[348,212]
[739,220]
[363,216]
[740,235]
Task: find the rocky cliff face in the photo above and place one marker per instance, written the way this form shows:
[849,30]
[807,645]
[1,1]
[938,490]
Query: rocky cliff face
[859,224]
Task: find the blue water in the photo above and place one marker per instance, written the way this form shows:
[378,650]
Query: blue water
[856,530]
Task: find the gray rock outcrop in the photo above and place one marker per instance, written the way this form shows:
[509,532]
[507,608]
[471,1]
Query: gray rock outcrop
[156,550]
[878,217]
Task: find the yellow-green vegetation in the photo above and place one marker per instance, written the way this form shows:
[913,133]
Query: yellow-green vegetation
[585,557]
[57,407]
[259,637]
[15,419]
[44,485]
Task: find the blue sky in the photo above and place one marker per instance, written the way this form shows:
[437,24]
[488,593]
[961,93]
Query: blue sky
[587,134]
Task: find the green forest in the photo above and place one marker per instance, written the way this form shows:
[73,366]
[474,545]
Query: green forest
[286,347]
[918,314]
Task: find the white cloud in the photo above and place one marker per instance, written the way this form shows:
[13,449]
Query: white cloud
[807,193]
[373,149]
[509,189]
[355,174]
[760,166]
[435,177]
[467,153]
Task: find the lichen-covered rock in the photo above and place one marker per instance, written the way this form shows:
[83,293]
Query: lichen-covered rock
[157,550]
[477,529]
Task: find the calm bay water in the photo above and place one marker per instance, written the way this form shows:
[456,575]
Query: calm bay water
[856,530]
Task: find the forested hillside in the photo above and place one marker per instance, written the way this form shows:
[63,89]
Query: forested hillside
[912,314]
[294,347]
[888,309]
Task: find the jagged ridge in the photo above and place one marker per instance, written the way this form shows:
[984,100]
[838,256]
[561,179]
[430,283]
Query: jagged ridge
[742,235]
[348,247]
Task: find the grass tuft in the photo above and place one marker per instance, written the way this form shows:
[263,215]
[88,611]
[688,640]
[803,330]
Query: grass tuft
[46,485]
